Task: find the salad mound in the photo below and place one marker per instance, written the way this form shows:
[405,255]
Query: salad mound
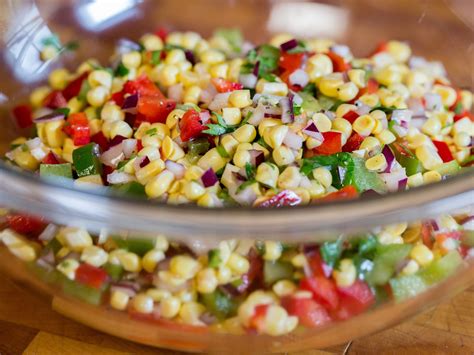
[221,122]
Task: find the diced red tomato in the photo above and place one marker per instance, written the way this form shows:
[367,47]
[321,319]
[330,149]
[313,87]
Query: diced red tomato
[309,312]
[427,234]
[256,321]
[153,109]
[285,76]
[77,127]
[162,33]
[289,62]
[381,47]
[317,265]
[443,151]
[324,291]
[139,145]
[338,63]
[283,198]
[354,299]
[91,276]
[346,193]
[441,238]
[118,97]
[50,158]
[23,115]
[353,143]
[190,125]
[26,224]
[142,86]
[101,140]
[462,115]
[351,116]
[55,100]
[223,85]
[74,87]
[254,277]
[332,144]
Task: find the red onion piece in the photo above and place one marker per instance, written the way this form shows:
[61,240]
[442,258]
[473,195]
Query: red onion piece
[131,292]
[391,179]
[116,140]
[256,69]
[362,109]
[48,233]
[257,115]
[400,131]
[418,122]
[248,80]
[129,146]
[209,178]
[34,143]
[175,92]
[113,156]
[205,116]
[256,157]
[119,177]
[220,101]
[434,224]
[125,45]
[292,43]
[177,169]
[272,115]
[144,162]
[416,106]
[293,140]
[402,184]
[286,110]
[207,95]
[389,157]
[433,102]
[130,104]
[312,131]
[50,117]
[401,115]
[299,77]
[190,56]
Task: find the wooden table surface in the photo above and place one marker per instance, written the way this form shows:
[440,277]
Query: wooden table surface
[28,325]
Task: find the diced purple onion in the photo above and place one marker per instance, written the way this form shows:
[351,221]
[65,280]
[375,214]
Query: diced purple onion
[129,146]
[341,50]
[299,77]
[47,260]
[209,178]
[50,117]
[246,197]
[389,157]
[434,225]
[113,156]
[257,115]
[256,157]
[204,116]
[401,115]
[119,177]
[418,122]
[239,176]
[175,92]
[272,115]
[362,109]
[433,102]
[370,193]
[177,169]
[416,106]
[297,99]
[286,110]
[130,104]
[256,69]
[312,131]
[190,56]
[292,43]
[292,140]
[248,80]
[48,233]
[34,143]
[116,140]
[400,131]
[391,179]
[144,162]
[208,94]
[220,101]
[402,184]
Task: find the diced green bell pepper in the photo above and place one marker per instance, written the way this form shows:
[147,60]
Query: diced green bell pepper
[276,270]
[467,238]
[198,146]
[386,259]
[84,293]
[54,245]
[56,170]
[310,104]
[114,271]
[50,276]
[219,304]
[214,258]
[132,188]
[135,245]
[449,168]
[407,286]
[86,160]
[408,160]
[442,268]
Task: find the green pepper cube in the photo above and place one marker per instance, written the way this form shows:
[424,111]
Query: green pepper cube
[56,170]
[86,160]
[84,293]
[442,268]
[386,259]
[135,245]
[274,271]
[219,304]
[132,188]
[114,271]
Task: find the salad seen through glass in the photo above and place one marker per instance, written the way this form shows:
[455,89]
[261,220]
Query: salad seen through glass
[221,122]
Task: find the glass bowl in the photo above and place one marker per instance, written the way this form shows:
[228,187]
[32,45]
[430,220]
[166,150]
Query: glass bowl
[440,30]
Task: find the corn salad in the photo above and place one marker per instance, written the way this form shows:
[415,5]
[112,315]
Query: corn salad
[219,122]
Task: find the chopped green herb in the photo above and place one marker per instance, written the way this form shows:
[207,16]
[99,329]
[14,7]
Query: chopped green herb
[458,109]
[387,110]
[155,57]
[269,77]
[54,41]
[331,251]
[121,70]
[250,171]
[214,258]
[245,184]
[63,110]
[222,152]
[151,131]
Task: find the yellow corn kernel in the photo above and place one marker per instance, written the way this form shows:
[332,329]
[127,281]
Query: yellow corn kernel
[447,93]
[278,322]
[159,184]
[58,78]
[68,268]
[410,268]
[378,115]
[275,88]
[144,174]
[283,155]
[319,65]
[193,173]
[462,155]
[275,135]
[280,38]
[385,137]
[151,259]
[152,141]
[130,261]
[238,264]
[422,254]
[190,312]
[171,150]
[192,94]
[173,118]
[299,261]
[97,96]
[320,45]
[322,122]
[208,200]
[273,251]
[240,98]
[168,75]
[259,85]
[316,189]
[229,143]
[431,176]
[151,42]
[346,274]
[119,300]
[212,159]
[267,174]
[312,143]
[357,76]
[17,245]
[347,91]
[193,190]
[38,95]
[231,115]
[224,275]
[284,288]
[388,75]
[94,256]
[152,152]
[415,180]
[364,125]
[158,295]
[432,126]
[241,158]
[120,128]
[370,143]
[212,56]
[428,156]
[267,123]
[206,280]
[184,266]
[175,56]
[462,139]
[234,69]
[219,70]
[131,60]
[396,229]
[466,99]
[378,128]
[142,303]
[169,307]
[75,105]
[190,40]
[290,178]
[342,109]
[89,181]
[54,134]
[342,125]
[329,84]
[371,100]
[100,78]
[112,112]
[376,163]
[323,176]
[74,238]
[400,51]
